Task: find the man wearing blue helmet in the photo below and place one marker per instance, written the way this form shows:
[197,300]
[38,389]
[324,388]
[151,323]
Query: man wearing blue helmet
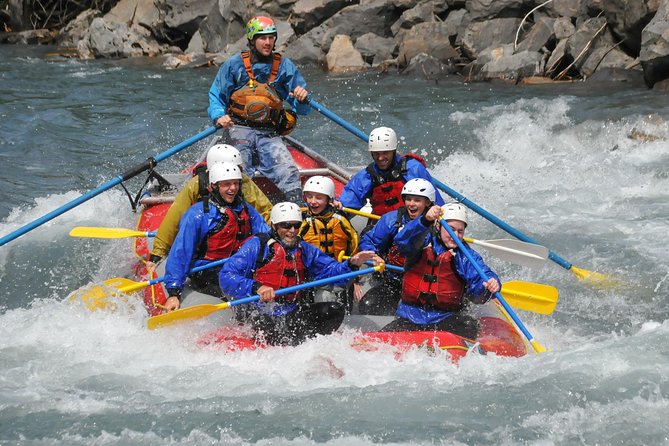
[247,97]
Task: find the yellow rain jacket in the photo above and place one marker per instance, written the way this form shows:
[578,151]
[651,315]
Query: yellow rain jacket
[331,232]
[188,196]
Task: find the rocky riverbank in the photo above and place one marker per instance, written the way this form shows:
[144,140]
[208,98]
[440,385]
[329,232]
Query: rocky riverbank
[479,40]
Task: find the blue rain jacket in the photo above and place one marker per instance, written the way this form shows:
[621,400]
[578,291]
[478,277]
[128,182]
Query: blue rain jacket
[414,237]
[357,190]
[232,76]
[193,228]
[236,275]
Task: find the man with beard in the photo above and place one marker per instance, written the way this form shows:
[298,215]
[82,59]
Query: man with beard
[208,235]
[382,181]
[280,259]
[247,98]
[418,195]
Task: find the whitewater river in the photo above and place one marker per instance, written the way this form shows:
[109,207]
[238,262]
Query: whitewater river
[582,168]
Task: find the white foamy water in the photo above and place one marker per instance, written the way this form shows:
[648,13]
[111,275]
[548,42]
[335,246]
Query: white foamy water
[583,172]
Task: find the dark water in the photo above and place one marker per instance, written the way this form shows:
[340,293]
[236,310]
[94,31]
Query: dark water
[584,169]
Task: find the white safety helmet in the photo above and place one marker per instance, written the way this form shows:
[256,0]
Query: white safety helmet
[321,185]
[454,211]
[223,153]
[285,211]
[420,187]
[382,139]
[224,171]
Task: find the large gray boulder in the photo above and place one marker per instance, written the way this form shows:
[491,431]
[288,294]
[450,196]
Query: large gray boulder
[654,55]
[310,13]
[539,36]
[590,35]
[488,9]
[375,49]
[110,39]
[78,28]
[481,35]
[627,19]
[373,16]
[430,38]
[343,57]
[185,15]
[503,63]
[225,24]
[427,67]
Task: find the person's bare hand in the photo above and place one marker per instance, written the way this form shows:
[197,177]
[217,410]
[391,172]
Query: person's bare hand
[266,293]
[225,122]
[172,303]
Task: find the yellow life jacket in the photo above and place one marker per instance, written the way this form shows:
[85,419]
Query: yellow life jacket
[257,103]
[330,232]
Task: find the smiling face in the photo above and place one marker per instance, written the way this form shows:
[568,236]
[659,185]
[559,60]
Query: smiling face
[287,232]
[384,159]
[264,44]
[228,189]
[458,228]
[316,202]
[415,205]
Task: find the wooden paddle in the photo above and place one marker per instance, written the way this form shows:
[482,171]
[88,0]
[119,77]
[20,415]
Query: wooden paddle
[590,277]
[204,310]
[130,173]
[512,251]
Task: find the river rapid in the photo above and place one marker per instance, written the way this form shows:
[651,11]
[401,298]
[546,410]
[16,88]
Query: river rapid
[582,168]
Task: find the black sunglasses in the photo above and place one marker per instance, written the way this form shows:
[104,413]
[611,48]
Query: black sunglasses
[287,225]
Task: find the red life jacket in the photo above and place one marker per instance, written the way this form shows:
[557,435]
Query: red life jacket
[279,269]
[225,238]
[432,282]
[386,191]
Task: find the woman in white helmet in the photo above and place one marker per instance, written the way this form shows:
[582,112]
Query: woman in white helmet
[196,189]
[417,196]
[328,229]
[382,181]
[210,234]
[439,281]
[280,259]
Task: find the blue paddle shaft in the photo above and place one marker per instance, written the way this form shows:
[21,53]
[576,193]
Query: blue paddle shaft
[302,286]
[192,271]
[106,186]
[485,278]
[461,198]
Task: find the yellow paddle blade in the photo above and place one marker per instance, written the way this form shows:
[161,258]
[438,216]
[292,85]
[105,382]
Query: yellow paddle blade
[93,232]
[184,315]
[598,280]
[528,296]
[102,296]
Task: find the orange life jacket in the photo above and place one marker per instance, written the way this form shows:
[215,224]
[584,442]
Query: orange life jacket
[257,103]
[386,191]
[279,269]
[432,282]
